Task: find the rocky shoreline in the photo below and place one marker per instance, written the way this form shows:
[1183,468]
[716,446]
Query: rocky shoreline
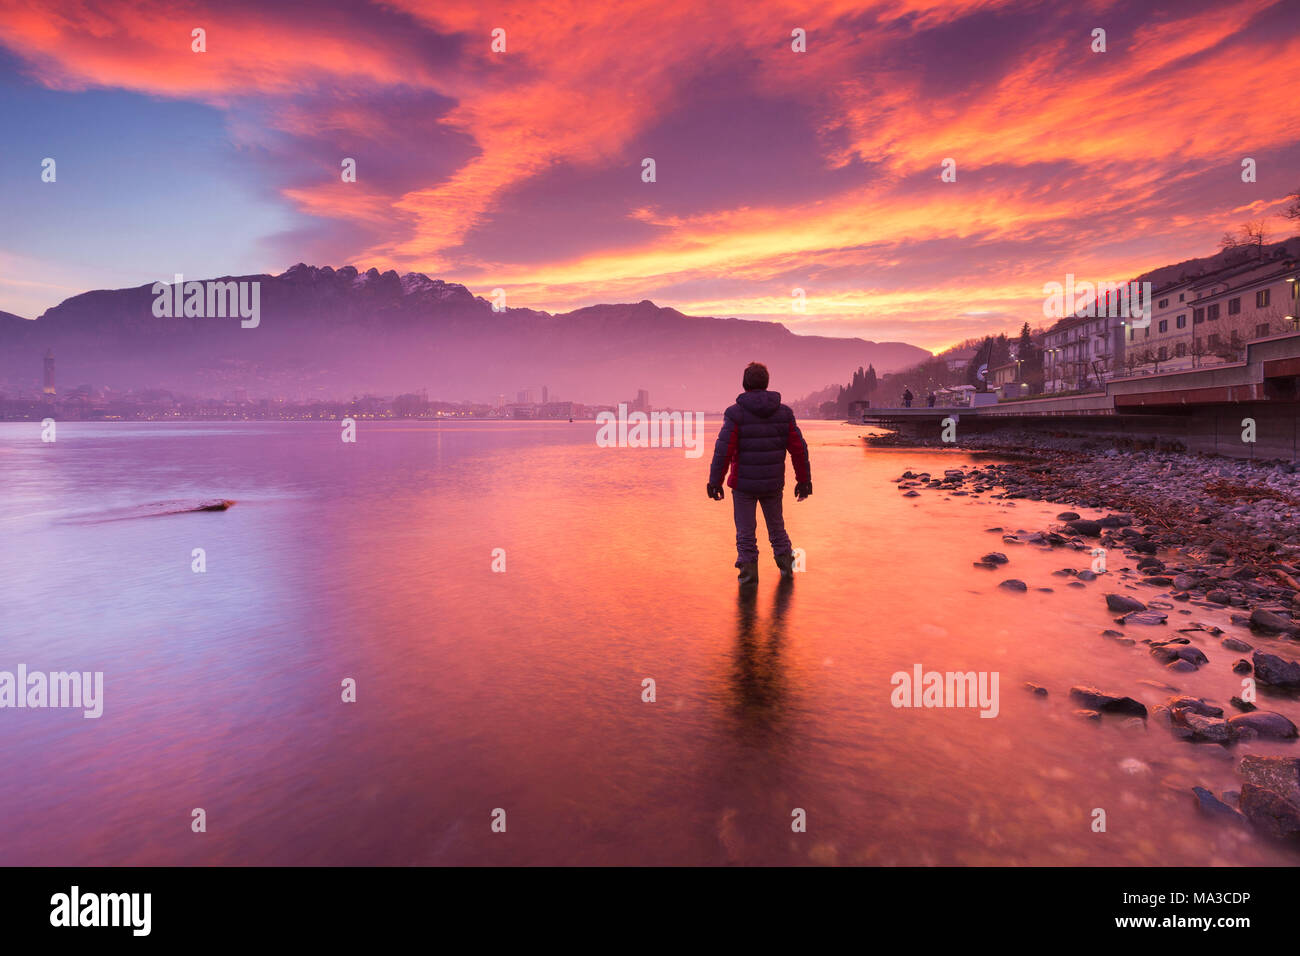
[1178,531]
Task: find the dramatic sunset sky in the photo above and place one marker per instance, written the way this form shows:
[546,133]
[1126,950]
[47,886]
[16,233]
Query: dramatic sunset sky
[522,169]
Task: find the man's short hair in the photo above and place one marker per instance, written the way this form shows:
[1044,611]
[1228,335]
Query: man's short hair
[756,377]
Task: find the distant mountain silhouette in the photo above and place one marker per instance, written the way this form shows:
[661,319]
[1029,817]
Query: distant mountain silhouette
[337,333]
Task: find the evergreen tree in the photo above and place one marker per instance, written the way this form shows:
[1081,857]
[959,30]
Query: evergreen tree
[1001,353]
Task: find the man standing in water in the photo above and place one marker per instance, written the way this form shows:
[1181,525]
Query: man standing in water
[756,433]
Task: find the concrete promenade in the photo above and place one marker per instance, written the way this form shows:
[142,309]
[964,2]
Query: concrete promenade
[1202,409]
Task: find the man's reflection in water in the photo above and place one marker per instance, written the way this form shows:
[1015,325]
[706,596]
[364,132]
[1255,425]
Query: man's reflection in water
[757,774]
[758,678]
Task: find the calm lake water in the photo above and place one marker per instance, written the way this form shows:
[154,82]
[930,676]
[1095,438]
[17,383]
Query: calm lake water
[522,690]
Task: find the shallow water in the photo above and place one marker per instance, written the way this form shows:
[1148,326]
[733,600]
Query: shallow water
[522,690]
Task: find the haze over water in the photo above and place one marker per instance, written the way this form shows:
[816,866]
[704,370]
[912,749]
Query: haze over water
[522,690]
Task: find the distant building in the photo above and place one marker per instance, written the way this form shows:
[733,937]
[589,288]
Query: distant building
[49,372]
[1081,352]
[1000,375]
[642,403]
[1209,319]
[1169,334]
[959,359]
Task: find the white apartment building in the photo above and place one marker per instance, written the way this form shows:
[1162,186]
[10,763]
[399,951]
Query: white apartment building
[1208,320]
[1079,353]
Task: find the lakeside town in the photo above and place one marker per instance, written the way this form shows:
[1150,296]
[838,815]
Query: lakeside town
[91,403]
[1204,313]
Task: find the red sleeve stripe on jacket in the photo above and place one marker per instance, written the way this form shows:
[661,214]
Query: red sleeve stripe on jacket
[798,449]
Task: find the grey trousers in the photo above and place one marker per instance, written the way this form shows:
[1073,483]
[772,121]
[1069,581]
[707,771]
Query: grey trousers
[744,507]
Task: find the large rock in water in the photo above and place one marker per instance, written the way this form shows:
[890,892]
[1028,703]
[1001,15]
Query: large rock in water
[1269,622]
[1191,718]
[1261,723]
[1193,704]
[1122,603]
[1168,652]
[1094,699]
[1278,671]
[217,504]
[1275,816]
[1207,728]
[1279,774]
[1212,806]
[1149,617]
[1084,527]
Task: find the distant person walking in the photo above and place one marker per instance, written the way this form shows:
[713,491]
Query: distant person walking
[756,433]
[931,400]
[907,398]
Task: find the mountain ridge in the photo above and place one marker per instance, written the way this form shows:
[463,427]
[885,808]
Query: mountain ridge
[326,332]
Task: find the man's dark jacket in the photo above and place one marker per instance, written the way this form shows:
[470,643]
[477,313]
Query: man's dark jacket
[756,433]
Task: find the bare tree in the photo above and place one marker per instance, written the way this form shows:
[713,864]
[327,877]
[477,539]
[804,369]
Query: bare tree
[1275,318]
[1255,233]
[1229,351]
[1293,210]
[1146,357]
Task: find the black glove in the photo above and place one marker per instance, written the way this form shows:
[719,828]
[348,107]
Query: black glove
[802,490]
[715,492]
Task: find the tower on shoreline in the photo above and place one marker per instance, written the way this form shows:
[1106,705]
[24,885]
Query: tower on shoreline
[49,372]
